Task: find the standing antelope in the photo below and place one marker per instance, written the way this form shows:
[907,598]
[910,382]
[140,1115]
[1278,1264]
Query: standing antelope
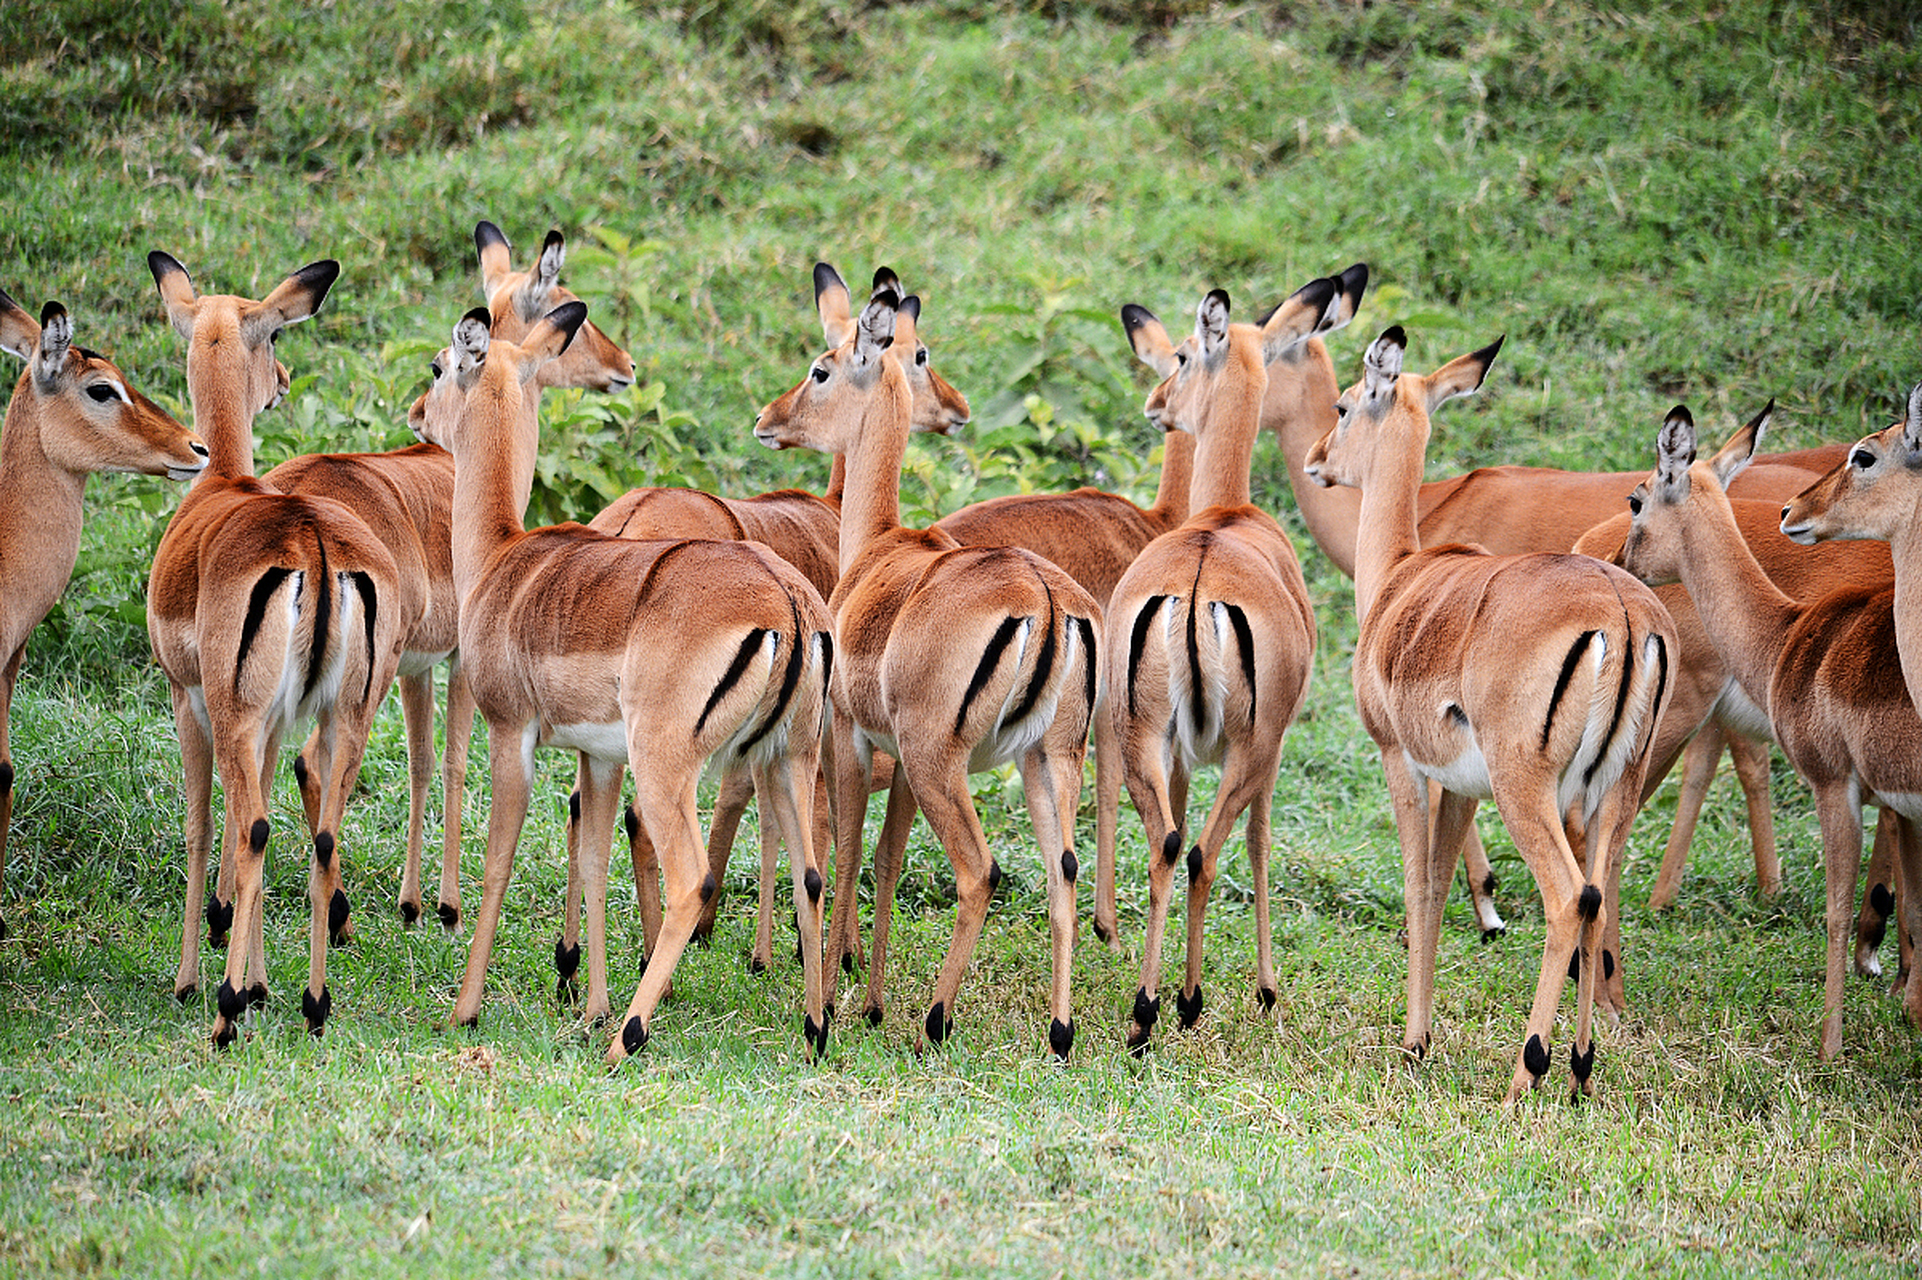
[1827,671]
[1511,510]
[951,660]
[655,655]
[1210,636]
[406,496]
[72,414]
[803,529]
[263,608]
[1534,680]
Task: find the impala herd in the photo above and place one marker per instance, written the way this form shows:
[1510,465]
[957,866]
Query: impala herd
[811,649]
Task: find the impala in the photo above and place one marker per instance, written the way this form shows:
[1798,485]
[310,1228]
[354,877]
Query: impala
[950,659]
[1210,636]
[1511,510]
[1532,680]
[263,609]
[803,529]
[73,413]
[406,496]
[1827,670]
[652,655]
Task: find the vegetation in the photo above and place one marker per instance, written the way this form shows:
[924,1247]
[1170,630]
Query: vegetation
[1704,203]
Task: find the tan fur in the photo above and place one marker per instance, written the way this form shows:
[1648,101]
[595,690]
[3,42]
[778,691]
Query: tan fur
[1537,679]
[1229,560]
[72,413]
[621,651]
[914,616]
[1827,670]
[236,693]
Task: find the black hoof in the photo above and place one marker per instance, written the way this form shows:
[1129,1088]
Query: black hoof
[449,916]
[1582,1065]
[567,960]
[1103,932]
[939,1025]
[229,1002]
[1499,931]
[634,1036]
[410,914]
[225,1032]
[874,1015]
[220,919]
[1146,1011]
[755,966]
[316,1011]
[1189,1007]
[1060,1036]
[567,992]
[257,996]
[1418,1050]
[816,1036]
[1535,1057]
[186,993]
[1267,998]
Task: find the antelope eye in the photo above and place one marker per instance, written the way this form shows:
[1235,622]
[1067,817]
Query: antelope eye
[921,356]
[1634,504]
[435,368]
[274,336]
[101,393]
[819,373]
[1861,459]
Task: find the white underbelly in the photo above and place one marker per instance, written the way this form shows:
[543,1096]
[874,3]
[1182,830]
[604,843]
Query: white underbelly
[603,741]
[1466,774]
[1906,803]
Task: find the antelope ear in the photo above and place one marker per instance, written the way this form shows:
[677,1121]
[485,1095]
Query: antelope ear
[885,281]
[294,299]
[1727,462]
[496,256]
[1298,317]
[1674,454]
[472,337]
[1912,423]
[1461,376]
[19,333]
[834,305]
[553,333]
[531,299]
[1381,365]
[176,291]
[1149,338]
[874,332]
[56,337]
[1211,323]
[1351,283]
[906,317]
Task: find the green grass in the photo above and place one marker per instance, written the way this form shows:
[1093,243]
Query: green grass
[1701,204]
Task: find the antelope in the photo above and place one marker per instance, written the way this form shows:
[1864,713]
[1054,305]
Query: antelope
[72,413]
[1210,636]
[653,655]
[1535,680]
[951,660]
[1804,575]
[263,609]
[406,497]
[1512,510]
[803,529]
[1827,670]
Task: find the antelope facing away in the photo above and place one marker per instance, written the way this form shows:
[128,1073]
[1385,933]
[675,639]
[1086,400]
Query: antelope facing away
[406,496]
[1827,670]
[1534,680]
[72,413]
[263,609]
[1512,510]
[951,660]
[655,655]
[1210,636]
[804,529]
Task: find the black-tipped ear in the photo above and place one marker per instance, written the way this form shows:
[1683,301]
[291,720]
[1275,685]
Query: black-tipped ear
[49,313]
[318,277]
[825,278]
[568,318]
[1133,316]
[1396,336]
[163,265]
[887,298]
[1220,298]
[487,236]
[886,280]
[1488,353]
[1354,282]
[911,305]
[1317,294]
[480,315]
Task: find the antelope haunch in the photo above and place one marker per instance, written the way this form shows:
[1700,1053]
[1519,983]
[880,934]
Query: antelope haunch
[72,413]
[263,609]
[1210,636]
[1534,680]
[1827,670]
[652,655]
[406,496]
[951,659]
[804,529]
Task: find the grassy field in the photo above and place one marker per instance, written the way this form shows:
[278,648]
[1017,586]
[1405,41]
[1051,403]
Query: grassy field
[1713,205]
